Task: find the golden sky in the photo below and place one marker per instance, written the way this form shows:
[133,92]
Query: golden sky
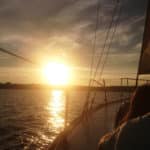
[63,30]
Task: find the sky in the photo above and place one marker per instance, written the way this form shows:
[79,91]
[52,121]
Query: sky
[44,30]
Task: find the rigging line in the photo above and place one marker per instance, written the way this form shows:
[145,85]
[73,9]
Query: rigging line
[107,37]
[105,42]
[103,49]
[18,56]
[93,50]
[112,38]
[95,36]
[108,50]
[114,34]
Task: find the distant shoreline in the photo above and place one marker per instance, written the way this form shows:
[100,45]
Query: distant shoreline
[73,87]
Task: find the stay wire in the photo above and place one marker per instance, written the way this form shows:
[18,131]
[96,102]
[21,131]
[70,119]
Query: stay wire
[95,37]
[17,56]
[105,42]
[107,52]
[109,47]
[93,53]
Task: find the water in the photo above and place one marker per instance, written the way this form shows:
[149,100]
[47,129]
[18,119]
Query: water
[31,119]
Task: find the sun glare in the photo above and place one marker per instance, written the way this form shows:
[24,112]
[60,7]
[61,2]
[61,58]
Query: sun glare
[56,73]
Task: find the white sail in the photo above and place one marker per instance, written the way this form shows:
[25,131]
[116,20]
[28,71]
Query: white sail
[144,66]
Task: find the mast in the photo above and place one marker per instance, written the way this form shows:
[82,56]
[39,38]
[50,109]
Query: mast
[146,36]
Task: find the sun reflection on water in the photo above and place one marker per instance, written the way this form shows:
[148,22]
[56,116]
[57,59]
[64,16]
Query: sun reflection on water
[56,108]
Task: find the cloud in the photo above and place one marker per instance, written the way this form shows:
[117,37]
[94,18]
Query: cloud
[44,28]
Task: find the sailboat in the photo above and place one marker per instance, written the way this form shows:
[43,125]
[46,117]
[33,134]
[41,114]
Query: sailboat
[86,130]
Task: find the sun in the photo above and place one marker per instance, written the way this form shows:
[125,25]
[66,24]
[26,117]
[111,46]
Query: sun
[56,73]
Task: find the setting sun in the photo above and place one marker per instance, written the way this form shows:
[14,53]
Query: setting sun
[56,73]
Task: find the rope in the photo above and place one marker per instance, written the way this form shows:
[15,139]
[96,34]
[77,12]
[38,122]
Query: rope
[86,106]
[95,36]
[105,42]
[112,38]
[93,55]
[17,56]
[108,50]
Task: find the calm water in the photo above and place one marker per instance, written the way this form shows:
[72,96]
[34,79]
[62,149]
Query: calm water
[31,119]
